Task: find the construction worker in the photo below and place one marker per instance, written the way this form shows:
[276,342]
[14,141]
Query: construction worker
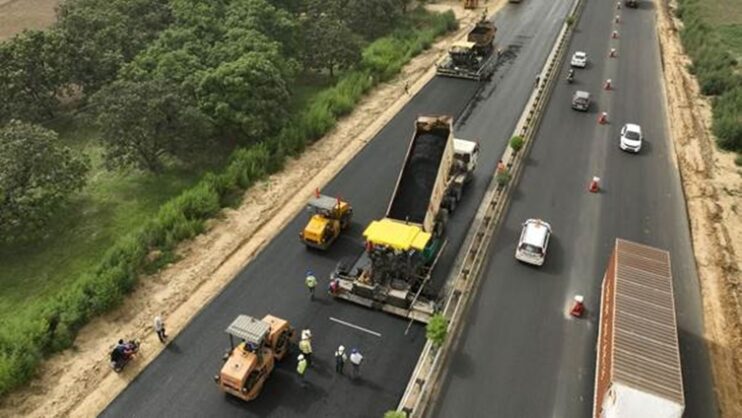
[159,326]
[301,369]
[340,358]
[355,359]
[305,345]
[311,283]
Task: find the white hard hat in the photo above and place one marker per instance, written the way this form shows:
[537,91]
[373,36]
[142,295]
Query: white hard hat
[579,298]
[301,357]
[341,349]
[306,334]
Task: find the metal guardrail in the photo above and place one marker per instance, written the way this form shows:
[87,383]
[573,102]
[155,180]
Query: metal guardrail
[422,385]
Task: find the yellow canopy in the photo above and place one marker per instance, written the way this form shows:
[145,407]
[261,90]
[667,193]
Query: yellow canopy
[397,235]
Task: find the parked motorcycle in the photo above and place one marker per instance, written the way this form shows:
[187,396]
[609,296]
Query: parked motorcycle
[123,353]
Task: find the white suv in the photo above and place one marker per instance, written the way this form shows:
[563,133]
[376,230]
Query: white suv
[579,59]
[534,239]
[631,137]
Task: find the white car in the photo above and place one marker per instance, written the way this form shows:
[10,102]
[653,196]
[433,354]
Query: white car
[579,59]
[534,239]
[631,137]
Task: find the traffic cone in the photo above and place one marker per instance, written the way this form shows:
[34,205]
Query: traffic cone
[614,35]
[603,118]
[608,85]
[612,54]
[594,186]
[578,307]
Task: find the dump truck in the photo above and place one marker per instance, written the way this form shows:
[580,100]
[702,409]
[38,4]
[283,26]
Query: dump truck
[248,363]
[475,58]
[402,248]
[328,217]
[632,3]
[637,371]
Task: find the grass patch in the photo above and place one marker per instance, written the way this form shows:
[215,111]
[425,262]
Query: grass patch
[112,205]
[712,37]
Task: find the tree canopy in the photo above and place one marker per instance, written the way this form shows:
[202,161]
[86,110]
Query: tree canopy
[142,122]
[37,176]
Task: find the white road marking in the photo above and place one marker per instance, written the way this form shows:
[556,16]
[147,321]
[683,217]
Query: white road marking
[348,324]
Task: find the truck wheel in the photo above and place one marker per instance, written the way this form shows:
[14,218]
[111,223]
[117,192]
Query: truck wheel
[458,193]
[440,227]
[451,203]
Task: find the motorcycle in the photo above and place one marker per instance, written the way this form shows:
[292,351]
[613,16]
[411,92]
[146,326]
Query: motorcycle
[121,357]
[570,78]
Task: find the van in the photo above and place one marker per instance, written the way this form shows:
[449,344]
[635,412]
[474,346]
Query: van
[581,100]
[533,242]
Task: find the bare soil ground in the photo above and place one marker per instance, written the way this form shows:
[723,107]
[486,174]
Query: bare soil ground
[17,15]
[713,187]
[79,382]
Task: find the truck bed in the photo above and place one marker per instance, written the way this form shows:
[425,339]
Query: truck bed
[412,197]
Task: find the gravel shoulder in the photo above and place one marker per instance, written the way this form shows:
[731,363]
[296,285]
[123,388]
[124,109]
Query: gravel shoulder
[713,186]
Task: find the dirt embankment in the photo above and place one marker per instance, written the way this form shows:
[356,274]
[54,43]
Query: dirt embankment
[17,15]
[713,190]
[79,383]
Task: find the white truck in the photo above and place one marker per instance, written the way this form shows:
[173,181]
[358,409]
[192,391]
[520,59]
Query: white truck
[637,373]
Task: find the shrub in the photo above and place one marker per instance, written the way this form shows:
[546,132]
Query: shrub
[502,178]
[395,414]
[516,143]
[437,329]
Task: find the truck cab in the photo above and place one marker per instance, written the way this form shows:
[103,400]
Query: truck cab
[466,155]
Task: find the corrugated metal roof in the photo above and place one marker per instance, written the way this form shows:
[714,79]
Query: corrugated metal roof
[645,339]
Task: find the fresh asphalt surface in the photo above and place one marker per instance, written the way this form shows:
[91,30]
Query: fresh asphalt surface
[520,355]
[179,382]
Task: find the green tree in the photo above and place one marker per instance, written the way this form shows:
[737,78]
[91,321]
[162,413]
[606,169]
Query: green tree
[142,122]
[328,42]
[102,35]
[246,98]
[30,76]
[372,18]
[37,176]
[271,21]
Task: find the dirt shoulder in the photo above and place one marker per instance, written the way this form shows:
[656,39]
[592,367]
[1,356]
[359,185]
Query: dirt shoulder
[17,15]
[79,382]
[713,187]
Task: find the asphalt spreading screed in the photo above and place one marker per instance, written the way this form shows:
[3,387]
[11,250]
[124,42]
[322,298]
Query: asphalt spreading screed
[418,178]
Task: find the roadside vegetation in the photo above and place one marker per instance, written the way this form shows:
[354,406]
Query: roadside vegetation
[712,37]
[158,114]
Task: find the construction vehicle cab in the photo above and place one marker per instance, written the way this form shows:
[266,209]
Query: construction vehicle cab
[255,346]
[329,216]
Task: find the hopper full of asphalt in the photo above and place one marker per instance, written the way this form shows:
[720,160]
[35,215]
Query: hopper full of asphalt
[412,199]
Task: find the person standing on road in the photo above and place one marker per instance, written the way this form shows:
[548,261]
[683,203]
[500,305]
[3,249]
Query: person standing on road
[407,88]
[160,329]
[305,345]
[340,358]
[311,283]
[301,369]
[355,359]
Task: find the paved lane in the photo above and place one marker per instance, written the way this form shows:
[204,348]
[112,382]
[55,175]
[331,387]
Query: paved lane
[520,356]
[179,383]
